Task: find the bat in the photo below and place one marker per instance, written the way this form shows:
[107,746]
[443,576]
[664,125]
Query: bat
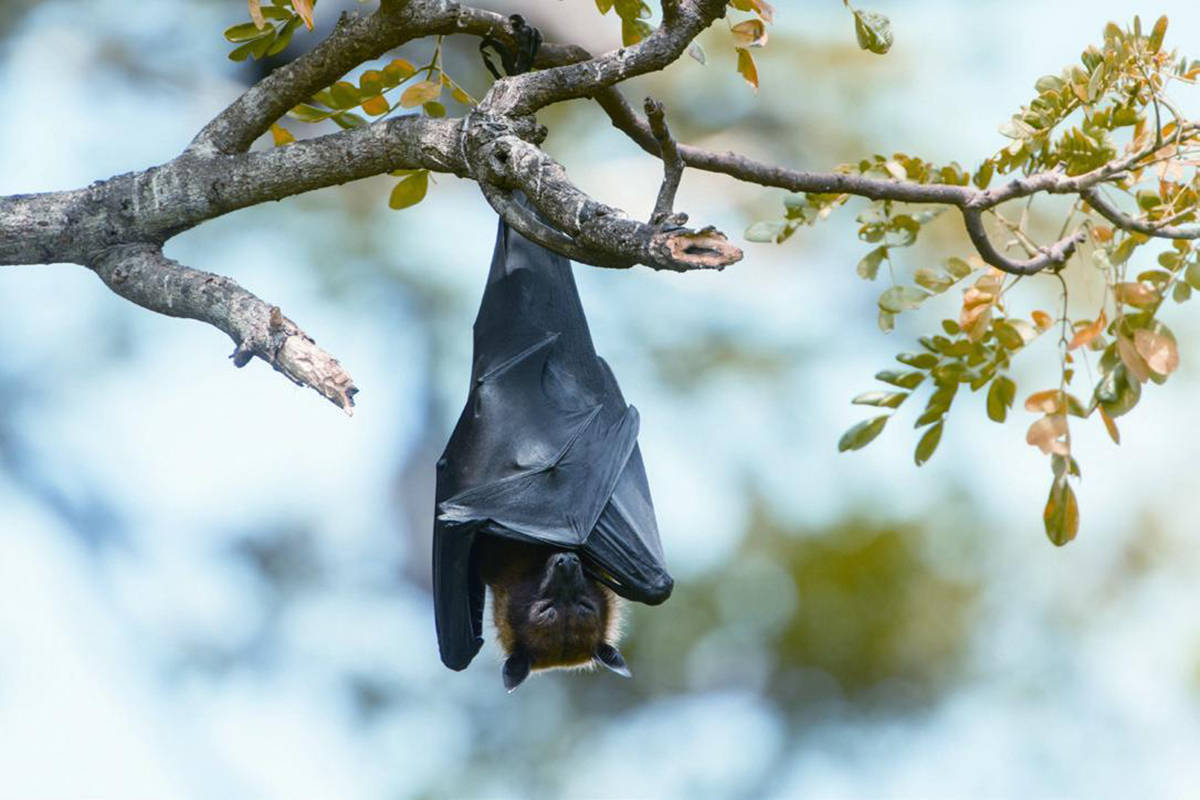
[541,491]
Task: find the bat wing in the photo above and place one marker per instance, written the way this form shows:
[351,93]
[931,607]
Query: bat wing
[545,450]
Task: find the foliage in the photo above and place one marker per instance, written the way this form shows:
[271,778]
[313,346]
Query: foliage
[270,29]
[1109,115]
[375,94]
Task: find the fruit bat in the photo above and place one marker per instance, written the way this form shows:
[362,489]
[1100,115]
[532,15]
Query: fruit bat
[544,455]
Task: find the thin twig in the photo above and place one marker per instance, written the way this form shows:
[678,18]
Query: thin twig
[672,162]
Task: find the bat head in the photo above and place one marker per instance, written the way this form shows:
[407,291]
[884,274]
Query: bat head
[550,614]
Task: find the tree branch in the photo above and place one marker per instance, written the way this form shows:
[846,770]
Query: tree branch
[1122,220]
[672,162]
[142,274]
[526,93]
[601,235]
[160,202]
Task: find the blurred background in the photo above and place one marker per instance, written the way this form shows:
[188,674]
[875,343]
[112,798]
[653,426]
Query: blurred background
[214,584]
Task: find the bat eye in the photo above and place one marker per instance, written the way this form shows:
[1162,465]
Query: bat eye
[586,607]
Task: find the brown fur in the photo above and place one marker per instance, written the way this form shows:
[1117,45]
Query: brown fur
[560,631]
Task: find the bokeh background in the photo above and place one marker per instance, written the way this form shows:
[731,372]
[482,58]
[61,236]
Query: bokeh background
[213,584]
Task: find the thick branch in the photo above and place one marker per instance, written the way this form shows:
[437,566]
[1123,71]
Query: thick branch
[153,205]
[602,235]
[142,274]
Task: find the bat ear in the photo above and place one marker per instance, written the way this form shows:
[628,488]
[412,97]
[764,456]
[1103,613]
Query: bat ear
[516,670]
[610,658]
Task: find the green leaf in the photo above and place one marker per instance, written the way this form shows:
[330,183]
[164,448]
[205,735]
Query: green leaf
[284,38]
[1192,274]
[928,443]
[868,267]
[306,113]
[905,380]
[1118,391]
[604,5]
[348,120]
[1062,512]
[880,399]
[242,52]
[1000,398]
[1007,335]
[938,405]
[918,360]
[861,434]
[901,298]
[1122,253]
[1049,83]
[934,280]
[245,32]
[345,94]
[764,231]
[873,31]
[410,190]
[434,109]
[634,30]
[1156,35]
[958,268]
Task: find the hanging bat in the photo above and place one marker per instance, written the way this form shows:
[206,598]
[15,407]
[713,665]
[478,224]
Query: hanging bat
[541,491]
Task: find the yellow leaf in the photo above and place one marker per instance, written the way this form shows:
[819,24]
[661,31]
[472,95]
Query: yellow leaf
[281,135]
[746,67]
[420,93]
[410,191]
[399,69]
[751,33]
[1042,321]
[461,96]
[1158,350]
[376,105]
[1085,335]
[256,13]
[304,9]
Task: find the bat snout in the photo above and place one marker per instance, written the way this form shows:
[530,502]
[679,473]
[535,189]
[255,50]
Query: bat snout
[564,576]
[565,562]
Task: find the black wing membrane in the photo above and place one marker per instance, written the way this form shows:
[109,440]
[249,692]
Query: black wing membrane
[545,450]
